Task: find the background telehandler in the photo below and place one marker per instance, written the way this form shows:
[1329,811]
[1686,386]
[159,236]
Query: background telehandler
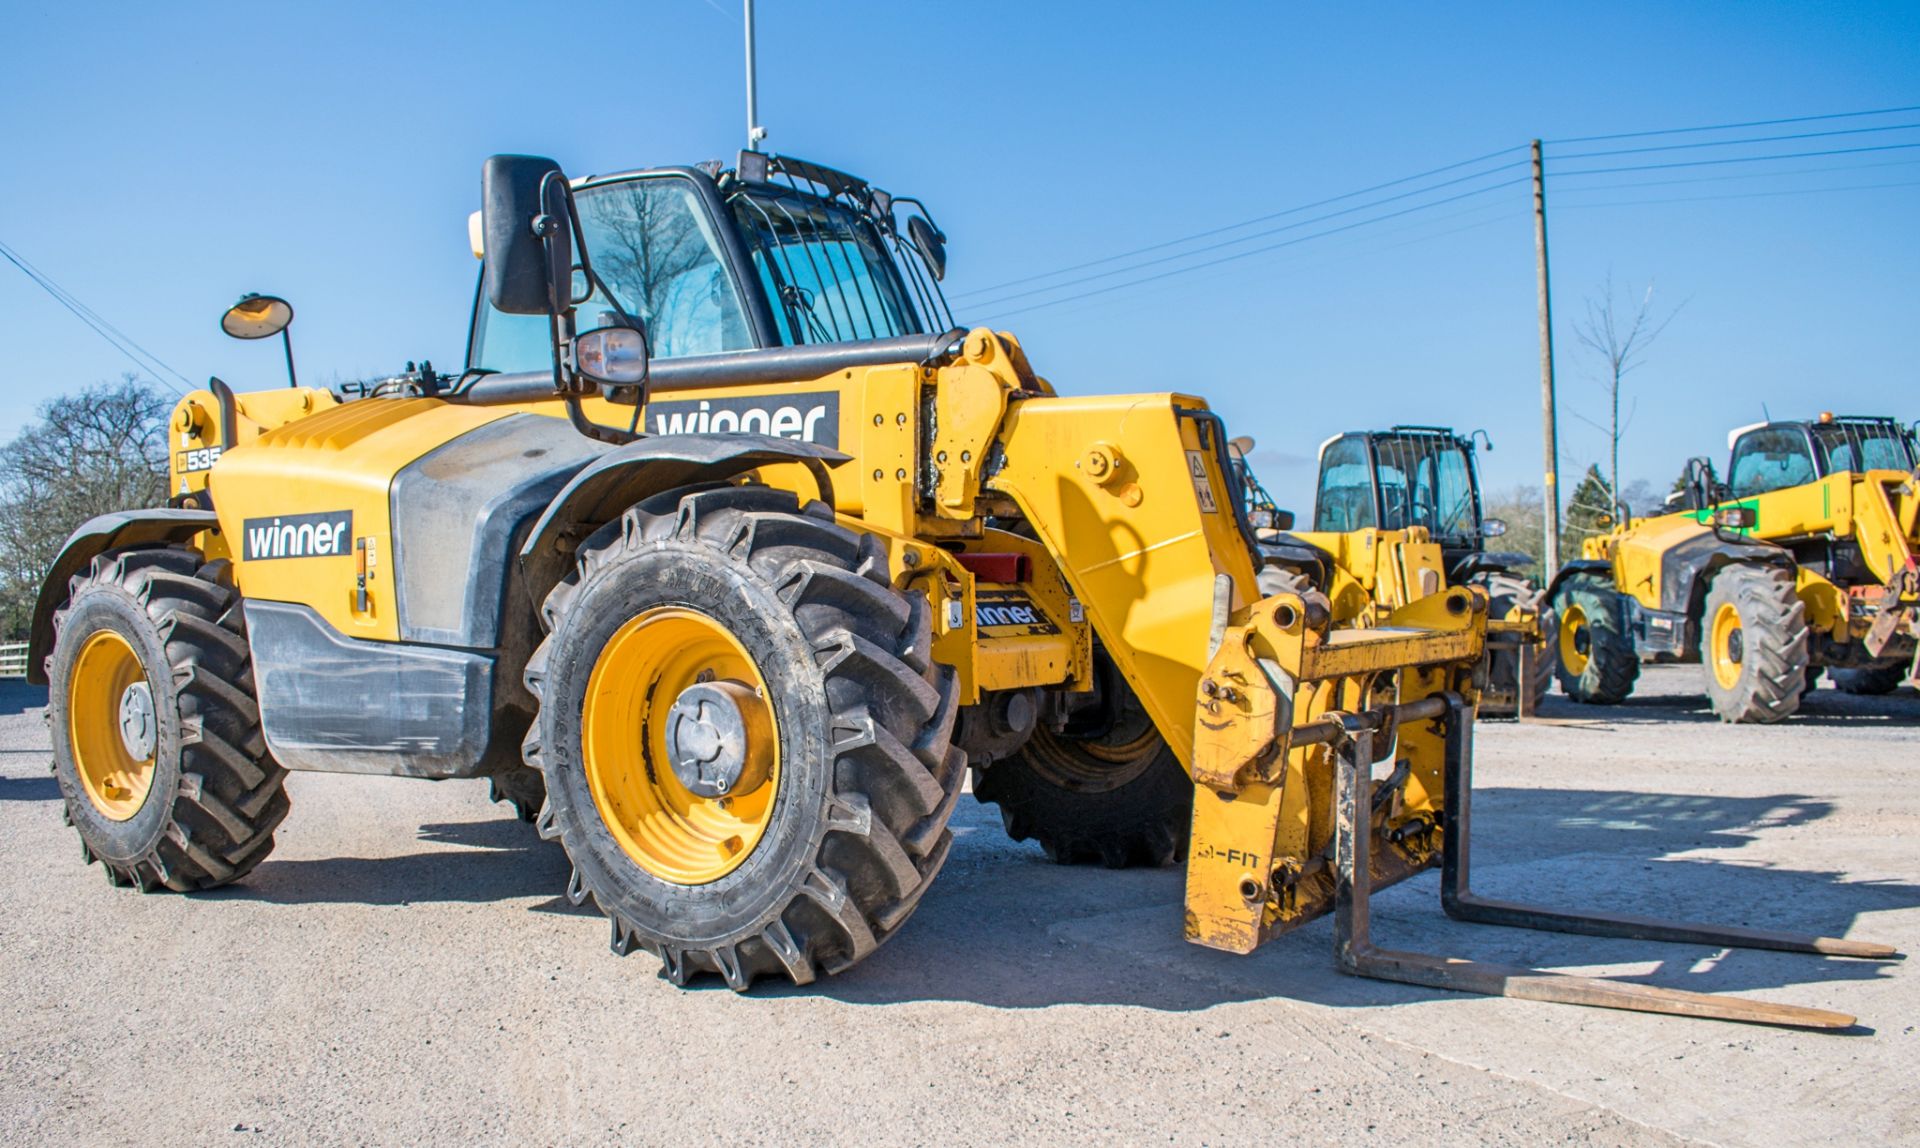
[1397,516]
[721,557]
[1803,561]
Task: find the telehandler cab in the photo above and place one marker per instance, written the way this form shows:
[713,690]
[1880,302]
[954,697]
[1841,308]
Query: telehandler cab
[1803,561]
[721,557]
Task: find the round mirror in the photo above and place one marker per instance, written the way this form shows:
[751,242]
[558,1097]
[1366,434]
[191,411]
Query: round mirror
[1242,446]
[1493,527]
[257,317]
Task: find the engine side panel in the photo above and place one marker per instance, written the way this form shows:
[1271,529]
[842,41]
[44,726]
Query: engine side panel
[303,505]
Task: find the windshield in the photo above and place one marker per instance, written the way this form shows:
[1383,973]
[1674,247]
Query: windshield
[825,273]
[654,247]
[1426,480]
[1859,446]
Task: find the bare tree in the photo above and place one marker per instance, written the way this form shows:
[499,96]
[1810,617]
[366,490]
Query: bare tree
[1618,333]
[101,449]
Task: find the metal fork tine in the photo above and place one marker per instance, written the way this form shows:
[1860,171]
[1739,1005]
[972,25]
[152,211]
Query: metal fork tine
[1353,945]
[1461,903]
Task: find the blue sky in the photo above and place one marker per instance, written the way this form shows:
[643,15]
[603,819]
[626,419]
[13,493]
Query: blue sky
[161,160]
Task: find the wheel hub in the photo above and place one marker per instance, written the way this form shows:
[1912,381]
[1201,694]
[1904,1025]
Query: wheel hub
[138,727]
[1736,646]
[719,739]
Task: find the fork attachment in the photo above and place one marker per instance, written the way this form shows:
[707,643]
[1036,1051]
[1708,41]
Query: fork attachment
[1290,824]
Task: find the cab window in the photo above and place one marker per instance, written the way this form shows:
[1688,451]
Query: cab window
[1851,446]
[656,250]
[1773,458]
[1345,499]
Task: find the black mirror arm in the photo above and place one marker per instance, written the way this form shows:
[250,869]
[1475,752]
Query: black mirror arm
[560,322]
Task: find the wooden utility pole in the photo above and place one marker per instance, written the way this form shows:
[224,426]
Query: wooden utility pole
[1549,430]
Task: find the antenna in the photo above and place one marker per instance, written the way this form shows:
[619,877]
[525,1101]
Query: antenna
[1764,412]
[755,133]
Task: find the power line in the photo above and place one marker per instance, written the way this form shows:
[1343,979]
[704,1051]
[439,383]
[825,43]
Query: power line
[1740,195]
[1248,238]
[1559,190]
[1209,233]
[1743,159]
[1737,143]
[1731,127]
[144,359]
[1257,250]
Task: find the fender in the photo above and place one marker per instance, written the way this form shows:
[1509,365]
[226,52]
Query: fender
[96,536]
[1490,562]
[1686,568]
[1598,566]
[625,475]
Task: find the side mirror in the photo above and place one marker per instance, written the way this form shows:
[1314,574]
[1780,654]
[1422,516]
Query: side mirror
[1283,520]
[528,235]
[1735,518]
[930,243]
[1493,527]
[616,356]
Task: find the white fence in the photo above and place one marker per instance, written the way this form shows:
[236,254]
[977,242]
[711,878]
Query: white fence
[13,659]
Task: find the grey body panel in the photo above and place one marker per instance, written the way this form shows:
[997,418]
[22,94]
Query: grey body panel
[339,705]
[458,512]
[96,536]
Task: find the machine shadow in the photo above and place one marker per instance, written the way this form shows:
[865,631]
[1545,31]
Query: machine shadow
[41,788]
[17,697]
[1004,928]
[1824,707]
[499,859]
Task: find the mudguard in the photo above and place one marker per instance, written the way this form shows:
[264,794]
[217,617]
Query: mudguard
[629,473]
[96,536]
[1577,566]
[1687,567]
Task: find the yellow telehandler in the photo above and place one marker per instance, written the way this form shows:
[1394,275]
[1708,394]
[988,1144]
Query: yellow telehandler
[1803,561]
[723,558]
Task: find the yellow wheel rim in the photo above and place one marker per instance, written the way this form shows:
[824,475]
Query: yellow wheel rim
[110,725]
[626,723]
[1576,640]
[1727,646]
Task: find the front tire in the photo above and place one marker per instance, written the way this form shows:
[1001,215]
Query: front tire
[1754,644]
[1591,645]
[838,786]
[156,735]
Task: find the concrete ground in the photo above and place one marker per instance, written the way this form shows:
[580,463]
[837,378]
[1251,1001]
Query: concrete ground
[403,970]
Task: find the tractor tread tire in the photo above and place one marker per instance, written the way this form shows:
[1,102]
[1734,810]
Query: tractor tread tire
[1871,681]
[1613,664]
[895,777]
[1504,592]
[1773,621]
[1144,821]
[227,794]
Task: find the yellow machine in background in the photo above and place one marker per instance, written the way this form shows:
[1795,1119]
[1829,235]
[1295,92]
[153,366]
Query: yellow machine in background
[724,559]
[1803,562]
[1397,517]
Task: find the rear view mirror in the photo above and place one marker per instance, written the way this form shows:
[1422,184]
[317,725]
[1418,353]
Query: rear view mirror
[930,243]
[1493,527]
[1283,520]
[527,237]
[616,356]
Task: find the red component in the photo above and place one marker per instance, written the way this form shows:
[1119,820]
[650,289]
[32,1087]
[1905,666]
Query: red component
[997,567]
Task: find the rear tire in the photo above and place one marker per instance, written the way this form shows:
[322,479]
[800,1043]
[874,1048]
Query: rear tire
[1105,789]
[852,827]
[1754,644]
[1871,681]
[161,630]
[1505,593]
[1592,648]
